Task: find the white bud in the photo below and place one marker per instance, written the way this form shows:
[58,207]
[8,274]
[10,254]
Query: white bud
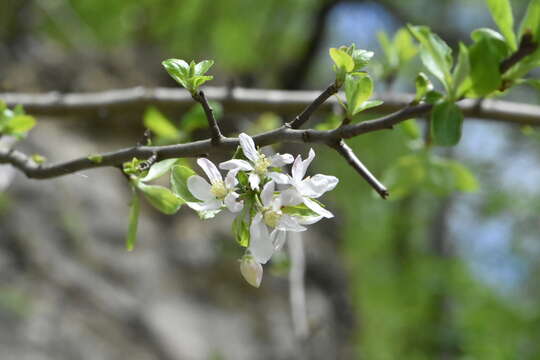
[251,270]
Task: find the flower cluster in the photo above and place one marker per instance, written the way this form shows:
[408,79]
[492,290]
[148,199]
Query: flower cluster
[267,201]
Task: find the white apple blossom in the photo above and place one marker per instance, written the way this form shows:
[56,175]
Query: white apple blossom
[262,242]
[258,163]
[312,187]
[217,193]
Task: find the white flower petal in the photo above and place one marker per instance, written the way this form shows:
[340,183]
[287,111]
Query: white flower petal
[254,181]
[308,161]
[297,170]
[290,197]
[230,179]
[317,208]
[232,204]
[307,220]
[248,146]
[267,193]
[200,188]
[279,178]
[260,244]
[236,164]
[278,238]
[279,160]
[288,223]
[205,206]
[317,185]
[210,170]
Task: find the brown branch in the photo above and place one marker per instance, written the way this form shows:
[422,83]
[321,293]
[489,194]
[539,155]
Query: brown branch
[239,100]
[348,154]
[212,123]
[313,106]
[526,47]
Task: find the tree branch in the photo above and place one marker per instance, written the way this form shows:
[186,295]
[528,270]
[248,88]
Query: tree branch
[348,154]
[314,105]
[526,47]
[212,123]
[239,100]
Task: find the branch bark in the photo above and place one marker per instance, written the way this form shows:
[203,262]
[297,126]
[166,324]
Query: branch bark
[239,100]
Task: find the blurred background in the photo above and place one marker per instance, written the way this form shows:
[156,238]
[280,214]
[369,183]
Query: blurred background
[434,273]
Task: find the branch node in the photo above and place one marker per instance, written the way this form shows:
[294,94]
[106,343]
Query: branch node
[310,109]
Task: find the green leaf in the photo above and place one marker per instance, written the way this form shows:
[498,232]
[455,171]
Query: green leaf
[202,67]
[178,69]
[531,20]
[460,73]
[95,158]
[388,49]
[446,122]
[405,176]
[159,124]
[342,59]
[240,229]
[179,176]
[19,125]
[485,56]
[411,129]
[161,198]
[358,89]
[298,210]
[361,58]
[423,85]
[501,11]
[436,55]
[159,169]
[433,96]
[464,178]
[404,45]
[134,211]
[38,159]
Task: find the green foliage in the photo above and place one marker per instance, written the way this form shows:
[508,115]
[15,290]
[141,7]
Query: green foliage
[347,60]
[358,89]
[397,52]
[446,123]
[160,198]
[436,55]
[38,159]
[134,211]
[501,11]
[423,86]
[485,56]
[15,122]
[192,75]
[95,158]
[531,20]
[179,176]
[160,125]
[159,169]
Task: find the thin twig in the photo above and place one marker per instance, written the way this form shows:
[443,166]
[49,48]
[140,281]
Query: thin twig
[209,112]
[526,47]
[310,109]
[348,154]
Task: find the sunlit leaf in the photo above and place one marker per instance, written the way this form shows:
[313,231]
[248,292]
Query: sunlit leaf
[446,123]
[501,11]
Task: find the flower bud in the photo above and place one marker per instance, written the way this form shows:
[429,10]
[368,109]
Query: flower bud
[251,270]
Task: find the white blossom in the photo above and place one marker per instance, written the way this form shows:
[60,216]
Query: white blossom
[262,242]
[258,163]
[217,193]
[312,187]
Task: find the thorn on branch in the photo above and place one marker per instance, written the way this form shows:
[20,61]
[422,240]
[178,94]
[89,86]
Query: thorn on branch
[348,154]
[209,112]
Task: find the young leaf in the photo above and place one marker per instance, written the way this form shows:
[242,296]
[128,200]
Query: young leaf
[134,210]
[19,125]
[531,20]
[501,11]
[358,89]
[159,169]
[361,58]
[464,179]
[436,55]
[178,69]
[461,72]
[161,198]
[410,128]
[423,85]
[95,158]
[179,176]
[202,67]
[446,122]
[342,59]
[485,57]
[159,124]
